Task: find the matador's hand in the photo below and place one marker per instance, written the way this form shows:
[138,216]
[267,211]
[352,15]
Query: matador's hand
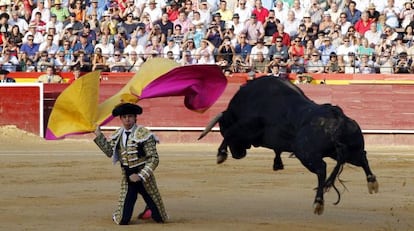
[98,131]
[134,177]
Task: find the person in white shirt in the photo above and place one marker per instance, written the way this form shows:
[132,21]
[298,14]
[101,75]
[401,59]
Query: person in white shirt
[280,11]
[243,12]
[291,24]
[106,47]
[174,48]
[373,35]
[153,11]
[345,49]
[21,23]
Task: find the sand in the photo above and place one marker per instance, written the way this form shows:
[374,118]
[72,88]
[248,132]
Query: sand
[70,185]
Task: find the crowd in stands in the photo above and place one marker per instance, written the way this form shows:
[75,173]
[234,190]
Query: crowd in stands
[266,36]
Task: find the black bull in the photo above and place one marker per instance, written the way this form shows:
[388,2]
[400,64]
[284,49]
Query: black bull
[273,113]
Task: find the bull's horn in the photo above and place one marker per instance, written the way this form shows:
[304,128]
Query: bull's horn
[210,125]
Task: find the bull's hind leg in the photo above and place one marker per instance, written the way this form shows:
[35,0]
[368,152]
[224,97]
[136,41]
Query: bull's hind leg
[318,204]
[373,185]
[277,162]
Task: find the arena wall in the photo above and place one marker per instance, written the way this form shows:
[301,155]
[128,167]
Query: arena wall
[384,111]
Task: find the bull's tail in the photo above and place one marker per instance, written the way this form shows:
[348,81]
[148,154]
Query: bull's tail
[210,125]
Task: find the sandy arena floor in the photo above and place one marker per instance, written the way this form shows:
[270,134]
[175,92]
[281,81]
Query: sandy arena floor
[71,185]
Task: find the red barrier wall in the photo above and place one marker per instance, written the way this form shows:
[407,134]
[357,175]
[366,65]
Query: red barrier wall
[20,106]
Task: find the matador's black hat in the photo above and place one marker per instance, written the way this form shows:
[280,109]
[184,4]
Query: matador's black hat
[127,106]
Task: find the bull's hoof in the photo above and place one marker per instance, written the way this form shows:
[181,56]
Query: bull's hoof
[221,158]
[318,206]
[372,184]
[278,166]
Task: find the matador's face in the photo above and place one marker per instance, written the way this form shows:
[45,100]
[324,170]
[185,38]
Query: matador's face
[128,120]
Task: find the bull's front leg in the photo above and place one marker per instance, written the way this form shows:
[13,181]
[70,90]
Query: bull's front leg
[318,204]
[277,162]
[222,153]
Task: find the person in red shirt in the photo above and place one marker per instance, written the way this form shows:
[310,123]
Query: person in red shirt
[281,33]
[260,11]
[363,25]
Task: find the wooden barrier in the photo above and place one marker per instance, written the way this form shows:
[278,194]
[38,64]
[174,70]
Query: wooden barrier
[374,107]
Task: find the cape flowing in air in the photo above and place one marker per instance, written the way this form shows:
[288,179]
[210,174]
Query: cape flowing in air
[77,109]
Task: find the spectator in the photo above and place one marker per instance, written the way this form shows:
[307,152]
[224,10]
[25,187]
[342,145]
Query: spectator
[120,39]
[134,46]
[309,49]
[373,14]
[196,20]
[30,48]
[94,10]
[166,26]
[74,23]
[326,25]
[254,29]
[4,78]
[204,54]
[384,63]
[91,34]
[406,14]
[134,61]
[314,65]
[243,49]
[205,12]
[346,48]
[237,25]
[8,62]
[227,51]
[15,20]
[281,33]
[243,12]
[292,23]
[344,24]
[83,61]
[261,49]
[333,66]
[84,45]
[260,63]
[261,12]
[50,76]
[225,13]
[333,11]
[178,35]
[62,13]
[187,59]
[39,23]
[297,9]
[172,11]
[366,66]
[67,51]
[16,36]
[373,35]
[280,11]
[156,48]
[61,64]
[153,11]
[218,21]
[391,13]
[189,45]
[78,9]
[351,65]
[214,35]
[106,47]
[56,25]
[174,48]
[37,36]
[48,46]
[270,25]
[76,74]
[398,47]
[307,22]
[117,63]
[43,62]
[297,49]
[326,49]
[409,36]
[296,65]
[11,47]
[403,65]
[352,13]
[99,61]
[40,11]
[363,25]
